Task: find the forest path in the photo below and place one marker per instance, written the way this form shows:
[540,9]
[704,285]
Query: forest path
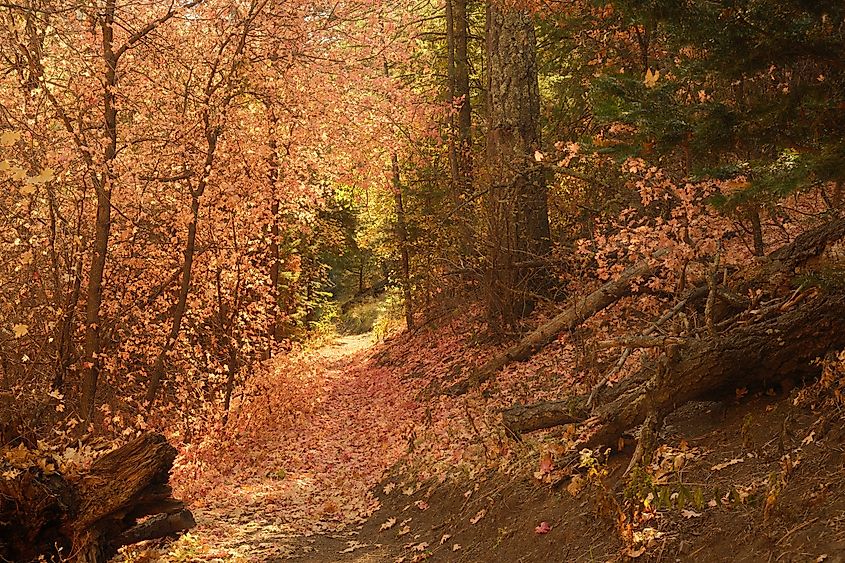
[301,487]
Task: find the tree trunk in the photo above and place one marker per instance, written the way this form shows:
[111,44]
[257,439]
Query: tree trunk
[517,207]
[90,517]
[274,334]
[103,185]
[459,94]
[188,260]
[401,233]
[402,240]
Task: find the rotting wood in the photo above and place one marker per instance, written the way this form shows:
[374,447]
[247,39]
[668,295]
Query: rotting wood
[86,519]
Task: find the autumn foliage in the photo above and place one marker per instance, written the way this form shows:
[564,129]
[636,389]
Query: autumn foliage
[197,195]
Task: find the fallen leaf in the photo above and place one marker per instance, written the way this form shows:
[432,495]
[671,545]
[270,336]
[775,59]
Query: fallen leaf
[543,528]
[388,524]
[456,547]
[353,545]
[478,516]
[720,466]
[690,514]
[445,538]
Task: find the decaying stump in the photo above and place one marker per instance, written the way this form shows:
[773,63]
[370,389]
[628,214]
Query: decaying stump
[87,518]
[778,339]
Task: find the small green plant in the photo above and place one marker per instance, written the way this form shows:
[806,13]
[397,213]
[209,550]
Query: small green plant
[828,280]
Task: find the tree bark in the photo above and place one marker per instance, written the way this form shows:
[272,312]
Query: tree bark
[275,232]
[517,207]
[103,186]
[89,518]
[459,94]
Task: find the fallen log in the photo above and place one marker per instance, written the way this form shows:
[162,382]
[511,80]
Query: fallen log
[772,343]
[519,418]
[576,313]
[763,353]
[85,519]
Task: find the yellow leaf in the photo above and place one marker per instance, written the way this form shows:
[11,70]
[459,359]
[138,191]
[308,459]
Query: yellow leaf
[9,138]
[18,173]
[651,78]
[27,190]
[20,330]
[44,176]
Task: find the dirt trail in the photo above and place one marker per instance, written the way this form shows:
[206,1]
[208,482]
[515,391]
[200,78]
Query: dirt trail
[297,494]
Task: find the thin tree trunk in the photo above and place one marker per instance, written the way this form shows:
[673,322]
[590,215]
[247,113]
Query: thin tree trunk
[401,233]
[757,233]
[275,233]
[64,344]
[103,186]
[188,260]
[461,34]
[227,329]
[579,310]
[65,327]
[402,239]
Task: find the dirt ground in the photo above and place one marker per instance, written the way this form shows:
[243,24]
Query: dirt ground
[744,501]
[759,476]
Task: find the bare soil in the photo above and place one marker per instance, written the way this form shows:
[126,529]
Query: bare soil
[760,508]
